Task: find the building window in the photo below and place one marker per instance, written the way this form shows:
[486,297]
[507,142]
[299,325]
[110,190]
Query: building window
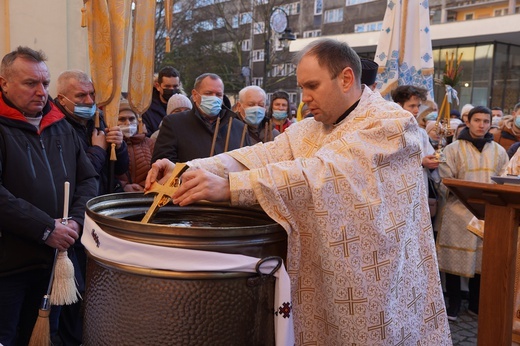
[258,81]
[312,33]
[210,24]
[227,46]
[258,28]
[245,18]
[234,21]
[220,23]
[202,3]
[282,70]
[258,55]
[452,17]
[366,27]
[293,8]
[356,2]
[468,16]
[334,16]
[204,26]
[318,7]
[501,12]
[246,45]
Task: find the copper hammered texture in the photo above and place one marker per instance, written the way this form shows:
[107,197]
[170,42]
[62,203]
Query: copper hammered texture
[128,309]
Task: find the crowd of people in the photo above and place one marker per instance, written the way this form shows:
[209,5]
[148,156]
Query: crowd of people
[482,143]
[339,173]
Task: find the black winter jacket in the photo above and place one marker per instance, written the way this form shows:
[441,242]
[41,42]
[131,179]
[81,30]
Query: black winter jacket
[154,114]
[186,136]
[34,164]
[99,157]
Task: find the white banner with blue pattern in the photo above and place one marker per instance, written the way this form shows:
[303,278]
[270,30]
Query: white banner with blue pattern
[404,49]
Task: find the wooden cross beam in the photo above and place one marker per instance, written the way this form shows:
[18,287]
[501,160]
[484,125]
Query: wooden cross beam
[164,192]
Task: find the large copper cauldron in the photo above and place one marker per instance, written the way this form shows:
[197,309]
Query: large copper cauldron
[127,305]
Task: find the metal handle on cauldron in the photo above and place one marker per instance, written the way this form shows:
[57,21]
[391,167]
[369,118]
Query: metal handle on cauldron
[261,278]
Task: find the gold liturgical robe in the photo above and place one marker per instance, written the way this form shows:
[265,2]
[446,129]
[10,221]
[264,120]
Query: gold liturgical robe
[361,254]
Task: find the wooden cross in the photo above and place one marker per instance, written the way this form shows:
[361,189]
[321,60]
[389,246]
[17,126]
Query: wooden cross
[164,192]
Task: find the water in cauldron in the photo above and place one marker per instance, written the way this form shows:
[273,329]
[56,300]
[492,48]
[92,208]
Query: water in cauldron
[210,219]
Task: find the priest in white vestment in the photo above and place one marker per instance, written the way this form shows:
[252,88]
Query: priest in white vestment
[346,186]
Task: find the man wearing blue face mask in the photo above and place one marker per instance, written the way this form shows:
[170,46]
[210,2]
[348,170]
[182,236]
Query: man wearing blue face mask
[251,108]
[194,133]
[76,99]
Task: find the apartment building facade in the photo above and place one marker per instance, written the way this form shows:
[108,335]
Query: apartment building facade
[235,38]
[491,60]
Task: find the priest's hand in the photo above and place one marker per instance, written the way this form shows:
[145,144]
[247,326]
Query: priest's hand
[199,184]
[161,170]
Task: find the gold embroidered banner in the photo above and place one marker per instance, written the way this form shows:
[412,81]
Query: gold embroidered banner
[143,51]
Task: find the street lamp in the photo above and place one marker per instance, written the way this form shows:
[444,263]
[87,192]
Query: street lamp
[279,23]
[287,37]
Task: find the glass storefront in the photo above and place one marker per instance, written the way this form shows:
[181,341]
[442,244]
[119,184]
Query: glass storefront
[490,77]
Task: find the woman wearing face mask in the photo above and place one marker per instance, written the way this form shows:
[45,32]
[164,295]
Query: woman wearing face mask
[279,110]
[140,149]
[509,129]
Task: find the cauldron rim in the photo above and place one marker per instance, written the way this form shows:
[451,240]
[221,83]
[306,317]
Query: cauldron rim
[132,198]
[201,237]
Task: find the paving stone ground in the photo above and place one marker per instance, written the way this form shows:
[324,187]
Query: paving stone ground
[464,330]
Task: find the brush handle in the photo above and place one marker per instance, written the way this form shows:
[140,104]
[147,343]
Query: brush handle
[66,192]
[45,301]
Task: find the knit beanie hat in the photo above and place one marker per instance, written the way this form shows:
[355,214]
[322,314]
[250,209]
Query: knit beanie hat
[124,105]
[455,113]
[454,123]
[178,101]
[430,125]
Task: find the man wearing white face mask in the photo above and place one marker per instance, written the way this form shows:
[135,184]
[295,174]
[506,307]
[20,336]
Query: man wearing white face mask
[251,108]
[140,149]
[194,134]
